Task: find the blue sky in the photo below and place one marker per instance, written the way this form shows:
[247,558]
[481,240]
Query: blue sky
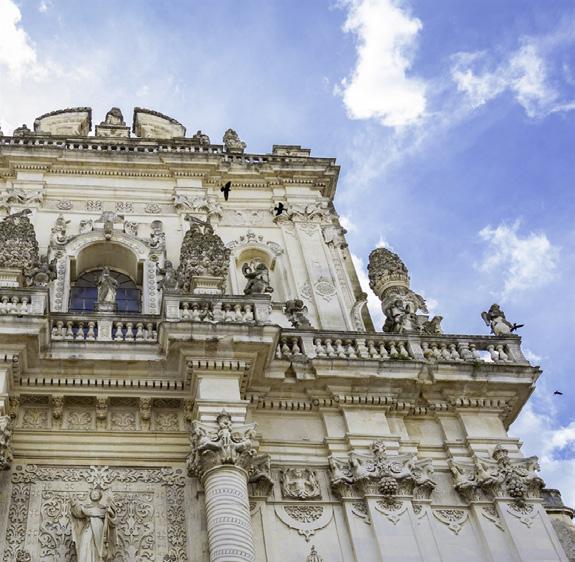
[454,124]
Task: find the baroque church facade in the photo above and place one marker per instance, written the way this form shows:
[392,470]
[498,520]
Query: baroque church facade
[188,370]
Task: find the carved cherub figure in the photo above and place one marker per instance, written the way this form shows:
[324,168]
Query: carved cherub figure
[258,277]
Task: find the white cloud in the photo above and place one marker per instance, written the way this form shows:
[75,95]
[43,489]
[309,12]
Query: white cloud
[373,303]
[17,53]
[532,357]
[518,262]
[44,6]
[542,437]
[525,73]
[347,223]
[379,86]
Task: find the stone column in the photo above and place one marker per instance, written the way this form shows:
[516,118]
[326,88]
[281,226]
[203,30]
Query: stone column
[228,512]
[225,458]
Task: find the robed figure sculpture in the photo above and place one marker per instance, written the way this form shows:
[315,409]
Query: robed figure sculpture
[93,527]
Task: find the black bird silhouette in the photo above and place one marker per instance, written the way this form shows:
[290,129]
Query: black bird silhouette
[516,326]
[279,209]
[559,393]
[226,190]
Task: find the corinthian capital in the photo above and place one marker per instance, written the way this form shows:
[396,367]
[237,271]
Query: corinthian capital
[226,444]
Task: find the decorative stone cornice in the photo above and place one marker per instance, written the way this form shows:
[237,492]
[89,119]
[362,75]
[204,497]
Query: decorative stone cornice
[381,474]
[498,478]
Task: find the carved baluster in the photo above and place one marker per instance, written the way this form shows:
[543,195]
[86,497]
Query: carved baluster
[227,313]
[4,305]
[453,352]
[24,305]
[129,331]
[91,335]
[295,347]
[474,353]
[444,354]
[69,330]
[349,349]
[238,314]
[393,353]
[319,349]
[464,351]
[195,313]
[119,333]
[501,351]
[403,350]
[493,353]
[249,313]
[13,305]
[371,350]
[436,352]
[150,331]
[329,348]
[216,312]
[185,310]
[339,349]
[361,348]
[286,351]
[278,351]
[383,351]
[80,331]
[58,331]
[139,331]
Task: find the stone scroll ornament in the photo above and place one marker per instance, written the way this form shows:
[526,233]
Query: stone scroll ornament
[380,473]
[202,255]
[498,477]
[18,244]
[389,280]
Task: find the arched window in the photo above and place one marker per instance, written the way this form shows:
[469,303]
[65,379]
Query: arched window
[84,292]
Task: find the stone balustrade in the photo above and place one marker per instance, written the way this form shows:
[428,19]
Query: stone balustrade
[399,347]
[253,309]
[86,329]
[23,302]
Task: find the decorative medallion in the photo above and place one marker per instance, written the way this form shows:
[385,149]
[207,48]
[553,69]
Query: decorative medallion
[453,518]
[64,204]
[305,519]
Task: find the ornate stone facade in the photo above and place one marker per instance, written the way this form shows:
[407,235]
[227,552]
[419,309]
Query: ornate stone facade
[199,378]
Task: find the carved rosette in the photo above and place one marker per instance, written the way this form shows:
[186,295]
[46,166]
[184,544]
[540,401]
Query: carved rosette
[204,260]
[498,478]
[381,474]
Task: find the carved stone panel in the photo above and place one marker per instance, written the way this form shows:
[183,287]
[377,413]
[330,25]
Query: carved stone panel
[150,520]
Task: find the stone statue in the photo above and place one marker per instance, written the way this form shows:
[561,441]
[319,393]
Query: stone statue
[258,277]
[59,235]
[157,236]
[296,311]
[232,142]
[170,279]
[42,274]
[107,287]
[495,319]
[115,118]
[22,131]
[5,442]
[201,138]
[93,526]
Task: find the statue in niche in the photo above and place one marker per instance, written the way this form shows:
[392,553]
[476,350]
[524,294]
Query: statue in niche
[495,319]
[93,526]
[258,277]
[107,288]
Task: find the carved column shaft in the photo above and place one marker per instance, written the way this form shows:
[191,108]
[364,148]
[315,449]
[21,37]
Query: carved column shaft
[230,534]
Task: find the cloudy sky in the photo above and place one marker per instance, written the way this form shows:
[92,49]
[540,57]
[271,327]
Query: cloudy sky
[454,124]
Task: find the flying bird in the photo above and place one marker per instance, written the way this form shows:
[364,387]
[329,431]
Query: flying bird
[226,190]
[558,393]
[279,209]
